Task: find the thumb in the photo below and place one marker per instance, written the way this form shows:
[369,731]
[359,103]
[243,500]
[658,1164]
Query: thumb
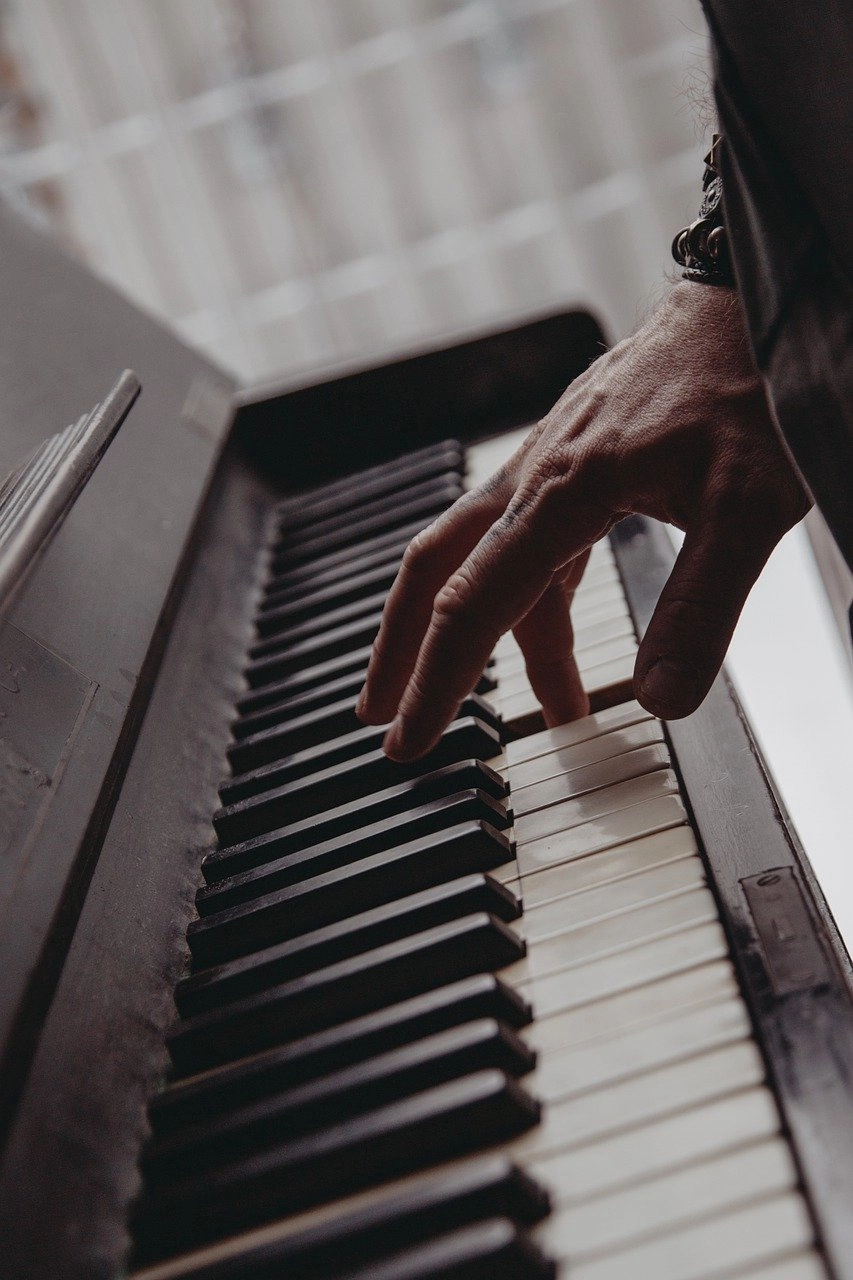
[693,622]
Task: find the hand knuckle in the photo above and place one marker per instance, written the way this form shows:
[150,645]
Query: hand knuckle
[454,597]
[420,551]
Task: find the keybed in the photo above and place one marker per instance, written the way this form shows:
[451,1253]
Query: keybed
[382,1067]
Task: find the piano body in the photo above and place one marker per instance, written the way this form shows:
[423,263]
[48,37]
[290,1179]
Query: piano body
[350,1090]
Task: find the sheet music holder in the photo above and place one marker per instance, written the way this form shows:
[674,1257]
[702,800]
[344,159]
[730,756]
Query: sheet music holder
[36,497]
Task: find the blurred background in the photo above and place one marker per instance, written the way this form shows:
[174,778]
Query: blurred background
[296,182]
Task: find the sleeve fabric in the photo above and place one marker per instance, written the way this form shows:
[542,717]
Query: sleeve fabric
[782,79]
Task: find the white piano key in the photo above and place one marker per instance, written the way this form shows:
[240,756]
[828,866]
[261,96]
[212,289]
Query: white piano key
[734,1240]
[598,573]
[510,668]
[605,832]
[612,865]
[611,655]
[618,672]
[508,875]
[594,633]
[596,590]
[603,1113]
[546,815]
[580,910]
[577,731]
[581,990]
[672,1201]
[628,1158]
[616,631]
[593,777]
[597,611]
[601,618]
[521,709]
[602,605]
[522,712]
[603,675]
[486,457]
[634,1007]
[580,944]
[677,1034]
[666,1089]
[563,760]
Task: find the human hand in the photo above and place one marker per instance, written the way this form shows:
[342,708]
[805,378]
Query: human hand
[672,423]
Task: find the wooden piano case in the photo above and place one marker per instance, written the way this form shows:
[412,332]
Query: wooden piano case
[119,667]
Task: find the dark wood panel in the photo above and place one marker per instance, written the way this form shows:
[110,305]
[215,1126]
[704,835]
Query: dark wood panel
[70,1167]
[804,1024]
[100,601]
[475,387]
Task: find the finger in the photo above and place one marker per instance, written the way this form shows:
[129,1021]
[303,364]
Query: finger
[429,560]
[546,638]
[697,612]
[480,601]
[499,583]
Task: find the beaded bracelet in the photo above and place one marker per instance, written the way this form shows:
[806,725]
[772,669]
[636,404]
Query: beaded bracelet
[702,248]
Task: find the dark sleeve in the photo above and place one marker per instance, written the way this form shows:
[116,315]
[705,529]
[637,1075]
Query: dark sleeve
[784,97]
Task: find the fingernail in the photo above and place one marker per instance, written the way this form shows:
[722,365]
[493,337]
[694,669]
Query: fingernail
[670,688]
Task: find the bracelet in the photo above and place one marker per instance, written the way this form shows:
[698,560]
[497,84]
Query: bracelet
[702,248]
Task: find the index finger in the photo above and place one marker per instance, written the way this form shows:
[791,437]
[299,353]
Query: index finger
[429,560]
[498,584]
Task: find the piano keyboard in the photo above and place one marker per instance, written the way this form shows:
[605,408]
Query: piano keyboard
[382,1068]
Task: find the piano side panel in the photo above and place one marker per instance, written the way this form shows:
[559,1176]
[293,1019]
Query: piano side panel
[87,632]
[70,1167]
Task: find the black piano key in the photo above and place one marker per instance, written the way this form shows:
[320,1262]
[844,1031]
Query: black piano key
[351,1091]
[276,660]
[272,711]
[472,1191]
[281,696]
[334,583]
[327,855]
[211,988]
[433,500]
[448,1121]
[345,779]
[327,737]
[447,458]
[385,511]
[347,559]
[265,672]
[359,886]
[362,984]
[489,1250]
[286,1065]
[264,827]
[300,728]
[324,601]
[286,636]
[269,759]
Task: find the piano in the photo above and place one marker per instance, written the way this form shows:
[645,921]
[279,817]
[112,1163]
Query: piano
[552,1002]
